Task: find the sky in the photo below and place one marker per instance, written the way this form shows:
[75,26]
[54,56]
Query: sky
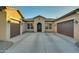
[46,11]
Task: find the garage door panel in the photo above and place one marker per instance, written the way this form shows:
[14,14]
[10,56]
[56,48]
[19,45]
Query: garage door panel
[14,29]
[66,28]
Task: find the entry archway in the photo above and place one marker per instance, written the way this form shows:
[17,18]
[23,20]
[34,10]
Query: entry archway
[39,27]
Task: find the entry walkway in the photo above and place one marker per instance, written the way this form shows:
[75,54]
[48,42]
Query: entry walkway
[44,43]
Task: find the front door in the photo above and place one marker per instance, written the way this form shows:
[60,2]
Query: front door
[39,27]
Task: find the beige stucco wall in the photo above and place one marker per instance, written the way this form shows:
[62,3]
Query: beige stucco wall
[24,26]
[62,20]
[2,25]
[11,13]
[35,22]
[76,26]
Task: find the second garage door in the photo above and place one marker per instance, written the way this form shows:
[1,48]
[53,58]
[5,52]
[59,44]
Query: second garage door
[14,29]
[66,28]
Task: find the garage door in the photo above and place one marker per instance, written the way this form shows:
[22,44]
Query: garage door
[66,28]
[14,29]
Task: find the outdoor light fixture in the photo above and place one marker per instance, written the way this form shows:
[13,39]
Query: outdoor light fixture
[20,22]
[9,21]
[76,22]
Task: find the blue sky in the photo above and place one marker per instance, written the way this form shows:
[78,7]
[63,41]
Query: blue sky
[46,11]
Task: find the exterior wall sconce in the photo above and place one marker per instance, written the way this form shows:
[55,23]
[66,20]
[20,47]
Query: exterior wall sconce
[9,21]
[20,22]
[76,22]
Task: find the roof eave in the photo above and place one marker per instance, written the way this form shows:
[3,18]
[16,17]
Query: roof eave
[68,14]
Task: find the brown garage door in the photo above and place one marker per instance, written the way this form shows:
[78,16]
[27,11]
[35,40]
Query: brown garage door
[66,28]
[14,29]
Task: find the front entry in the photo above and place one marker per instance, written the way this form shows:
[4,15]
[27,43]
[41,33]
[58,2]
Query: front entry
[39,27]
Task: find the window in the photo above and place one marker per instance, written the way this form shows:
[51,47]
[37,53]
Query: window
[50,26]
[29,26]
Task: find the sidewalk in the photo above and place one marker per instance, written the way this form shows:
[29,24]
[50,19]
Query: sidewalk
[4,45]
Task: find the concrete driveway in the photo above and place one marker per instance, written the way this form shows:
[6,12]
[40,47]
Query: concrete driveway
[44,43]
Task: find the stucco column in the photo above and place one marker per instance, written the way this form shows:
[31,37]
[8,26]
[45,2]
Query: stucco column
[2,25]
[7,30]
[55,27]
[21,29]
[43,27]
[76,27]
[35,27]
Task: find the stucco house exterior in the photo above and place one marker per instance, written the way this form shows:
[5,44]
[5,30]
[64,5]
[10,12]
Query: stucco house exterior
[38,24]
[13,24]
[67,24]
[10,23]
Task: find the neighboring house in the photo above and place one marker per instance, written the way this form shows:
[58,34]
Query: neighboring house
[67,24]
[10,23]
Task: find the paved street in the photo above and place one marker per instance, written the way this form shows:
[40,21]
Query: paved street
[44,43]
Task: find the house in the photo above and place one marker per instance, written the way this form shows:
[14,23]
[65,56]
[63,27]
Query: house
[38,24]
[10,23]
[13,24]
[67,24]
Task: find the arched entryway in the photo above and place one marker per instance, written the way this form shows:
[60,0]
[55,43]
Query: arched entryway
[39,27]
